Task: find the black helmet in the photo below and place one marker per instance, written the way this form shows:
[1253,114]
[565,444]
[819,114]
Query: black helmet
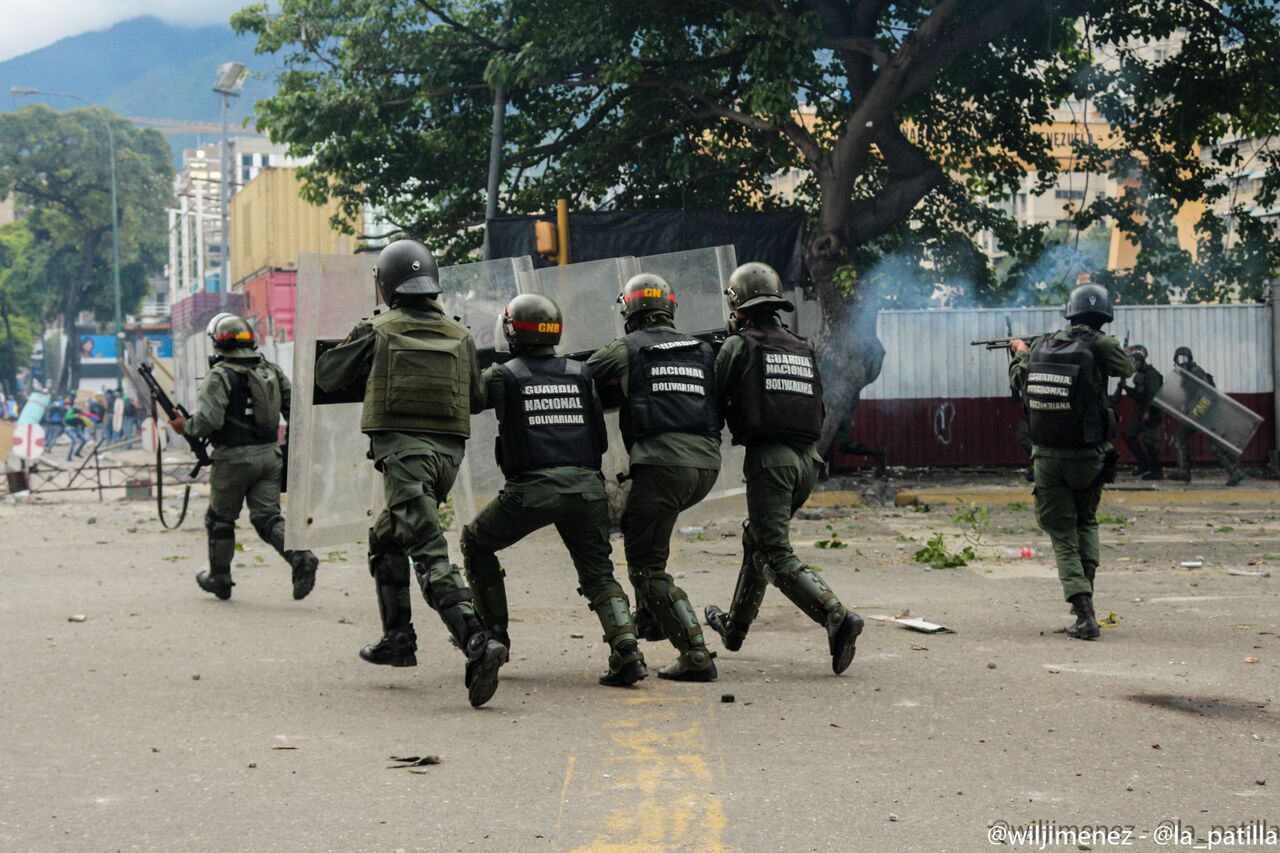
[1182,356]
[1138,353]
[644,293]
[406,268]
[755,284]
[1090,302]
[532,320]
[232,336]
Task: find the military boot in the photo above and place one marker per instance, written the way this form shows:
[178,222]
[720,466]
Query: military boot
[1155,468]
[695,662]
[491,603]
[748,594]
[399,643]
[222,550]
[304,565]
[1236,477]
[731,633]
[1086,627]
[626,663]
[216,582]
[485,656]
[1139,456]
[1183,474]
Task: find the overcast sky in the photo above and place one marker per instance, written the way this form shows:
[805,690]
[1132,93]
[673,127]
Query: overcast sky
[26,25]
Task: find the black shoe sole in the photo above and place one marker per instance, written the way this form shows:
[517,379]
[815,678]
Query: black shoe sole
[701,676]
[846,641]
[302,586]
[712,615]
[1077,636]
[409,659]
[482,678]
[626,676]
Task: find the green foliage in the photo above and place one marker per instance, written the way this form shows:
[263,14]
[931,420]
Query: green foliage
[936,555]
[1111,518]
[833,542]
[906,127]
[446,514]
[57,167]
[973,521]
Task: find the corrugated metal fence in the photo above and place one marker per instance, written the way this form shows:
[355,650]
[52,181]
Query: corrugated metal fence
[940,401]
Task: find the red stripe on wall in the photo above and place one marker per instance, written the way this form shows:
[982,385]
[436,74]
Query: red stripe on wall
[983,431]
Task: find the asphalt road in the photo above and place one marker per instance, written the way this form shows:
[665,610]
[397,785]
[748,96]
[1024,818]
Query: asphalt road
[168,720]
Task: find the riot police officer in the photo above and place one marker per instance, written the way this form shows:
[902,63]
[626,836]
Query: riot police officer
[551,438]
[771,394]
[1183,358]
[1064,380]
[1142,432]
[239,407]
[665,382]
[420,376]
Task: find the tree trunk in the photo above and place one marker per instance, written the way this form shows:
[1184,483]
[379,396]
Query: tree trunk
[850,353]
[69,376]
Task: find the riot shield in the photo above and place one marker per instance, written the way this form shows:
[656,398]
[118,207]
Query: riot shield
[1195,402]
[333,489]
[478,295]
[698,278]
[587,294]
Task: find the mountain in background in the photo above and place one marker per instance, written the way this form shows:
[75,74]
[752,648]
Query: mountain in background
[142,68]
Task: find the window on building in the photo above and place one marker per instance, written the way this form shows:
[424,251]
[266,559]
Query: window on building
[246,174]
[1069,195]
[246,160]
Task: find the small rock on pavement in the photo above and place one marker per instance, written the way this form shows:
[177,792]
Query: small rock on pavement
[893,818]
[575,636]
[77,617]
[727,697]
[252,764]
[195,677]
[991,664]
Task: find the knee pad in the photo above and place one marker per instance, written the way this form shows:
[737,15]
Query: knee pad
[218,527]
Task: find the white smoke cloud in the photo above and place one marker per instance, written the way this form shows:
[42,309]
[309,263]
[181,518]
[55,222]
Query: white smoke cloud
[31,25]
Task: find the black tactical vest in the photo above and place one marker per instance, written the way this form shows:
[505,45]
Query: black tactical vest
[239,424]
[780,395]
[671,386]
[1069,407]
[549,418]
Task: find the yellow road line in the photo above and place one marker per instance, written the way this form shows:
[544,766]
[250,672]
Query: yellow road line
[662,782]
[564,791]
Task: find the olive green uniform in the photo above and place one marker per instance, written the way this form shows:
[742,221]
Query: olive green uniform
[418,469]
[779,475]
[1068,482]
[571,498]
[670,472]
[245,474]
[1182,438]
[1142,432]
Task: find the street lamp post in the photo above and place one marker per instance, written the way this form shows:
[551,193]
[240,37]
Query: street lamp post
[115,219]
[229,83]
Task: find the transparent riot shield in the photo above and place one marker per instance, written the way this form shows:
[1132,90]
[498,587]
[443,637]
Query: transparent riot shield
[698,278]
[1193,401]
[478,295]
[587,294]
[333,489]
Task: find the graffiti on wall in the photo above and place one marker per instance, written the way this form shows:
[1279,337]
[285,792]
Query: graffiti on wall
[943,417]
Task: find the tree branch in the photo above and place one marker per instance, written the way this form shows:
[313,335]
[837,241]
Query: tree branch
[474,34]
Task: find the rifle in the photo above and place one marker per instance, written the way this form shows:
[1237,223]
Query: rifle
[199,446]
[1003,343]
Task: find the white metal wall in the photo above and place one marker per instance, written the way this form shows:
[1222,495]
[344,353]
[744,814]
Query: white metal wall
[928,353]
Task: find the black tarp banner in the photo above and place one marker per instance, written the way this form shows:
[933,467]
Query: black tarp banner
[774,238]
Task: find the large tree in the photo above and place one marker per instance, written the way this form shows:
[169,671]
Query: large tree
[57,166]
[911,123]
